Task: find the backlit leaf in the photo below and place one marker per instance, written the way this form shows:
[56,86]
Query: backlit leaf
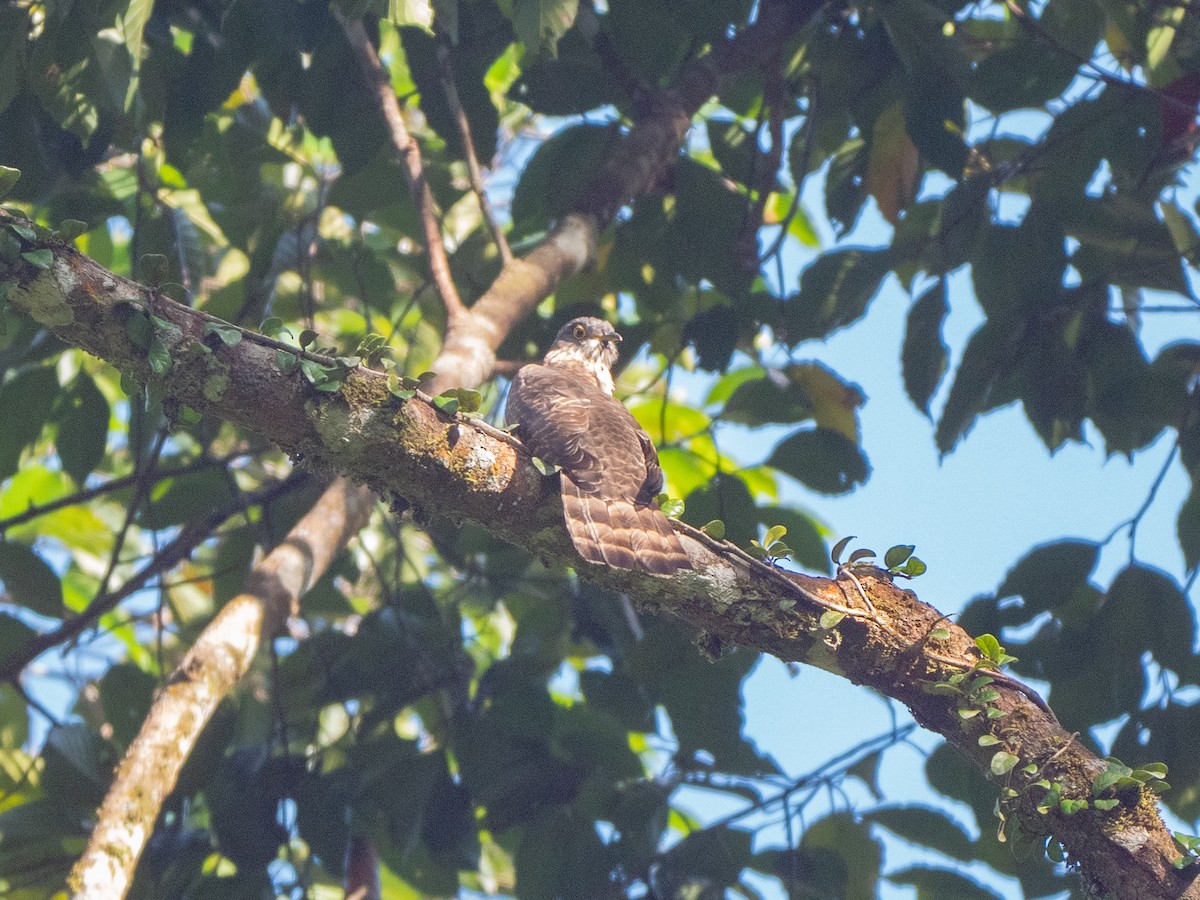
[29,581]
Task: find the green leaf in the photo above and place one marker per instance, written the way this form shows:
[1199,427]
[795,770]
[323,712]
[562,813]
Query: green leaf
[469,400]
[140,330]
[229,335]
[69,229]
[76,772]
[924,356]
[831,618]
[126,693]
[185,497]
[1003,762]
[540,196]
[158,356]
[822,459]
[411,12]
[8,178]
[834,292]
[671,508]
[1187,527]
[926,827]
[988,646]
[1146,610]
[42,258]
[835,555]
[895,556]
[307,338]
[447,404]
[14,635]
[544,467]
[401,387]
[1050,575]
[774,533]
[155,269]
[83,428]
[715,529]
[325,378]
[1018,74]
[133,25]
[29,581]
[941,884]
[23,231]
[913,568]
[856,852]
[727,498]
[986,357]
[286,361]
[541,23]
[273,327]
[714,856]
[25,404]
[569,84]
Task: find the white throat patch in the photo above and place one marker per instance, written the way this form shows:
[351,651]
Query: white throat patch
[583,356]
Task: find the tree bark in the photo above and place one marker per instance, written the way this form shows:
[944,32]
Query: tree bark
[212,668]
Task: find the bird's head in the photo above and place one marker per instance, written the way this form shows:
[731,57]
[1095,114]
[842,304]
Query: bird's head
[588,342]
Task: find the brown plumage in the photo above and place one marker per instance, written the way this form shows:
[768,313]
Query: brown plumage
[610,476]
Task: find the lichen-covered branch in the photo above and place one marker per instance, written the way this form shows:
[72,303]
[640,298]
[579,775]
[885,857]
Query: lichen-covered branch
[880,635]
[212,668]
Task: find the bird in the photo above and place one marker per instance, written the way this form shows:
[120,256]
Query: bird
[565,413]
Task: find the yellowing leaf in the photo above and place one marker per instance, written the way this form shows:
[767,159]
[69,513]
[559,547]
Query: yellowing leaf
[799,225]
[133,25]
[893,164]
[834,402]
[411,12]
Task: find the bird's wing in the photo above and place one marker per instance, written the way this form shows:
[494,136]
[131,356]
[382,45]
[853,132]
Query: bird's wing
[552,411]
[610,469]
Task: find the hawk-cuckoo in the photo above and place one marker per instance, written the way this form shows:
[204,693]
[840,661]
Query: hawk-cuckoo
[566,415]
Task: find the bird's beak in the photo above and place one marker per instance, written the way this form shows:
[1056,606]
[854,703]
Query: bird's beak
[613,338]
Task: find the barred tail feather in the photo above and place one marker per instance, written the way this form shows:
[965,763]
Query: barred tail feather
[620,533]
[663,553]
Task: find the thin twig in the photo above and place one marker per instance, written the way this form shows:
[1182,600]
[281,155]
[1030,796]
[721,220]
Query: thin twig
[113,484]
[474,171]
[379,82]
[845,570]
[190,536]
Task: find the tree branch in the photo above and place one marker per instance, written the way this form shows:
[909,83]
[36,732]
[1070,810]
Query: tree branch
[410,155]
[212,668]
[891,641]
[633,165]
[474,171]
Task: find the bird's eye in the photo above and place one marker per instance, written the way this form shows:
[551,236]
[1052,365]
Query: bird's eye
[580,332]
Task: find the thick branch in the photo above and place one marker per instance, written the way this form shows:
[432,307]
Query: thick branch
[466,470]
[211,669]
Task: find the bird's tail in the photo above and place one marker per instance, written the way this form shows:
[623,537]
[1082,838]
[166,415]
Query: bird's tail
[621,533]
